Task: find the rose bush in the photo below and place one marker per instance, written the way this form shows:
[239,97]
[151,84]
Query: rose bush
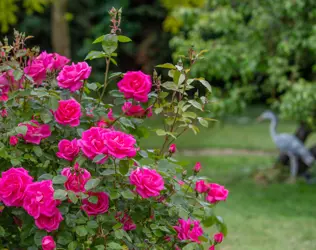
[74,174]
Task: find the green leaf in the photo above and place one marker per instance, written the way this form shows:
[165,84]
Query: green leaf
[93,199]
[21,129]
[203,122]
[161,132]
[114,61]
[72,245]
[17,74]
[93,86]
[114,194]
[94,55]
[92,183]
[64,238]
[109,43]
[196,104]
[206,84]
[53,102]
[72,196]
[46,116]
[126,122]
[128,194]
[158,110]
[99,39]
[189,115]
[2,231]
[124,167]
[166,66]
[191,246]
[124,39]
[45,177]
[99,247]
[38,151]
[116,93]
[113,246]
[92,224]
[98,158]
[108,172]
[119,234]
[81,231]
[60,194]
[170,86]
[38,237]
[59,179]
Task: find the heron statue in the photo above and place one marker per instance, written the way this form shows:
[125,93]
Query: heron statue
[288,144]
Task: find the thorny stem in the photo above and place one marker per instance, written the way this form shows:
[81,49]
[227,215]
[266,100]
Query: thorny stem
[107,60]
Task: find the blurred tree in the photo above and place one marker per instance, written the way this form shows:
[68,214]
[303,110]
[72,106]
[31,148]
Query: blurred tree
[261,49]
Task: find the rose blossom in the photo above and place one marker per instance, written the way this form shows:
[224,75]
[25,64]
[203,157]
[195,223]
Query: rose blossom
[92,143]
[49,223]
[4,113]
[126,220]
[39,199]
[104,123]
[135,84]
[4,87]
[201,186]
[100,207]
[76,178]
[218,238]
[48,243]
[37,70]
[13,140]
[59,61]
[212,247]
[68,150]
[13,183]
[35,132]
[216,193]
[136,110]
[72,76]
[172,148]
[197,167]
[147,181]
[68,112]
[189,230]
[120,145]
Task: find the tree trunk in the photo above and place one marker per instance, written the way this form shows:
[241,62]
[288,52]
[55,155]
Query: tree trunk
[60,29]
[301,133]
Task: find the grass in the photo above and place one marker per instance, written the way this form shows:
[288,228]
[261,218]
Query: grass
[236,132]
[273,217]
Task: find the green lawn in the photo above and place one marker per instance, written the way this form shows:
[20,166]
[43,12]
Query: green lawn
[273,217]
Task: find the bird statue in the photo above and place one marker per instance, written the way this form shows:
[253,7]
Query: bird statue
[288,144]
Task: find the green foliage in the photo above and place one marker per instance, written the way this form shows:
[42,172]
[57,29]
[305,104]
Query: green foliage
[256,48]
[10,8]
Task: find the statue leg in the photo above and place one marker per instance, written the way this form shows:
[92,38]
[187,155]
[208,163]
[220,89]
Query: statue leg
[294,166]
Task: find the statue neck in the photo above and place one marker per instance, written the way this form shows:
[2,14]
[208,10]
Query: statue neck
[273,126]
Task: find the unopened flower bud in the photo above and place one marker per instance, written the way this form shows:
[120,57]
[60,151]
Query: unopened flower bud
[197,167]
[172,148]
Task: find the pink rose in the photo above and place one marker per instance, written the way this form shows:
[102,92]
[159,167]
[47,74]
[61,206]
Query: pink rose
[197,167]
[93,143]
[126,220]
[35,132]
[68,150]
[49,223]
[37,70]
[216,193]
[13,183]
[13,140]
[172,148]
[4,87]
[147,181]
[218,238]
[100,207]
[4,113]
[135,84]
[120,145]
[39,199]
[71,77]
[201,186]
[76,178]
[212,247]
[59,61]
[68,112]
[136,110]
[103,123]
[189,230]
[48,243]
